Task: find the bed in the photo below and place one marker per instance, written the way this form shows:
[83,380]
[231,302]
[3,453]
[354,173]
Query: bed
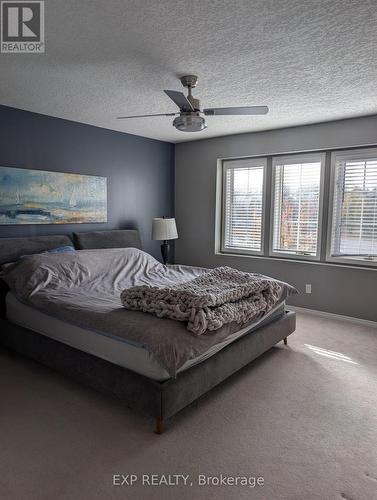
[128,370]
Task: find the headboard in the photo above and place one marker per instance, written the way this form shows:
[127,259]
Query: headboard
[12,248]
[120,238]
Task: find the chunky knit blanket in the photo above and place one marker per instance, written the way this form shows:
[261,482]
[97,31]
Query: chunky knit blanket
[219,296]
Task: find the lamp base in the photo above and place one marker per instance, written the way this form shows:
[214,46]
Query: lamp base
[165,251]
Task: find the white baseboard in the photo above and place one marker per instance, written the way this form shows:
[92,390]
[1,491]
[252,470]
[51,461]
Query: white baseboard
[325,314]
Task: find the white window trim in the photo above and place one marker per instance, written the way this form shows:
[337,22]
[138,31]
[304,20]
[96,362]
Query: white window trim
[243,163]
[345,155]
[299,158]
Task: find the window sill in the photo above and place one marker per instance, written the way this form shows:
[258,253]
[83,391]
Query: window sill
[240,251]
[361,267]
[369,263]
[294,256]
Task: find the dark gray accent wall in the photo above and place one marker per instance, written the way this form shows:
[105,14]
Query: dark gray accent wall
[336,289]
[140,171]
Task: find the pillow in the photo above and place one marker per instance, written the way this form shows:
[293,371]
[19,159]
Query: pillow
[66,248]
[103,271]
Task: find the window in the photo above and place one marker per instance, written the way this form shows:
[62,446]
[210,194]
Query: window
[243,195]
[353,221]
[291,225]
[296,205]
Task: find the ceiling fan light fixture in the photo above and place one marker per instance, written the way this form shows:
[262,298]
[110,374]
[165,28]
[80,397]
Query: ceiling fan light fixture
[189,123]
[189,119]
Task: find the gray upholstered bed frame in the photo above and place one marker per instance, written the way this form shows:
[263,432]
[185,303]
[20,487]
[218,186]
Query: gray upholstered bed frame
[160,400]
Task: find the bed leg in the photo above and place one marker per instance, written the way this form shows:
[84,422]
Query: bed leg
[285,341]
[159,426]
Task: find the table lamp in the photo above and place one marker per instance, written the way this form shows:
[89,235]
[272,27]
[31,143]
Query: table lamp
[164,229]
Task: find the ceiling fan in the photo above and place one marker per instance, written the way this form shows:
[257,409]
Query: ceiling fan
[189,119]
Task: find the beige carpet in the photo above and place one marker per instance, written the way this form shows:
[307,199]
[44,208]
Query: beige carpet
[302,417]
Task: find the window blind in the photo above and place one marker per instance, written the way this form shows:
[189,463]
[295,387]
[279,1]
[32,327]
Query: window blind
[243,207]
[296,207]
[354,223]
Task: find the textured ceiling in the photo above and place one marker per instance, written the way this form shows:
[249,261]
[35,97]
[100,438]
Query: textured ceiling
[308,60]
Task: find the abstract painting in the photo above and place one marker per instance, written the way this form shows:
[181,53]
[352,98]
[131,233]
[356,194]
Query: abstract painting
[41,197]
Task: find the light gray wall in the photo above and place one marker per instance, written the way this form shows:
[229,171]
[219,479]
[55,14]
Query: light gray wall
[337,289]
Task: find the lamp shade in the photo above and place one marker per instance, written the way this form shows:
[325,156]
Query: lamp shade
[164,229]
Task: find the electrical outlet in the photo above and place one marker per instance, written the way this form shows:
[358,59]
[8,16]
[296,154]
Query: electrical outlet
[308,288]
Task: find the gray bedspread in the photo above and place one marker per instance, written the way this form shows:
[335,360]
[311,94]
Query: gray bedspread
[84,288]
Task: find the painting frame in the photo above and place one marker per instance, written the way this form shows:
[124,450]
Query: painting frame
[30,196]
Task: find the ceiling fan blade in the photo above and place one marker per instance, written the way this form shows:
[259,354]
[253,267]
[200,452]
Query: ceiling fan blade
[146,116]
[243,110]
[180,100]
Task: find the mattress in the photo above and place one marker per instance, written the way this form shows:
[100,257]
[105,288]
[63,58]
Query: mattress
[127,355]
